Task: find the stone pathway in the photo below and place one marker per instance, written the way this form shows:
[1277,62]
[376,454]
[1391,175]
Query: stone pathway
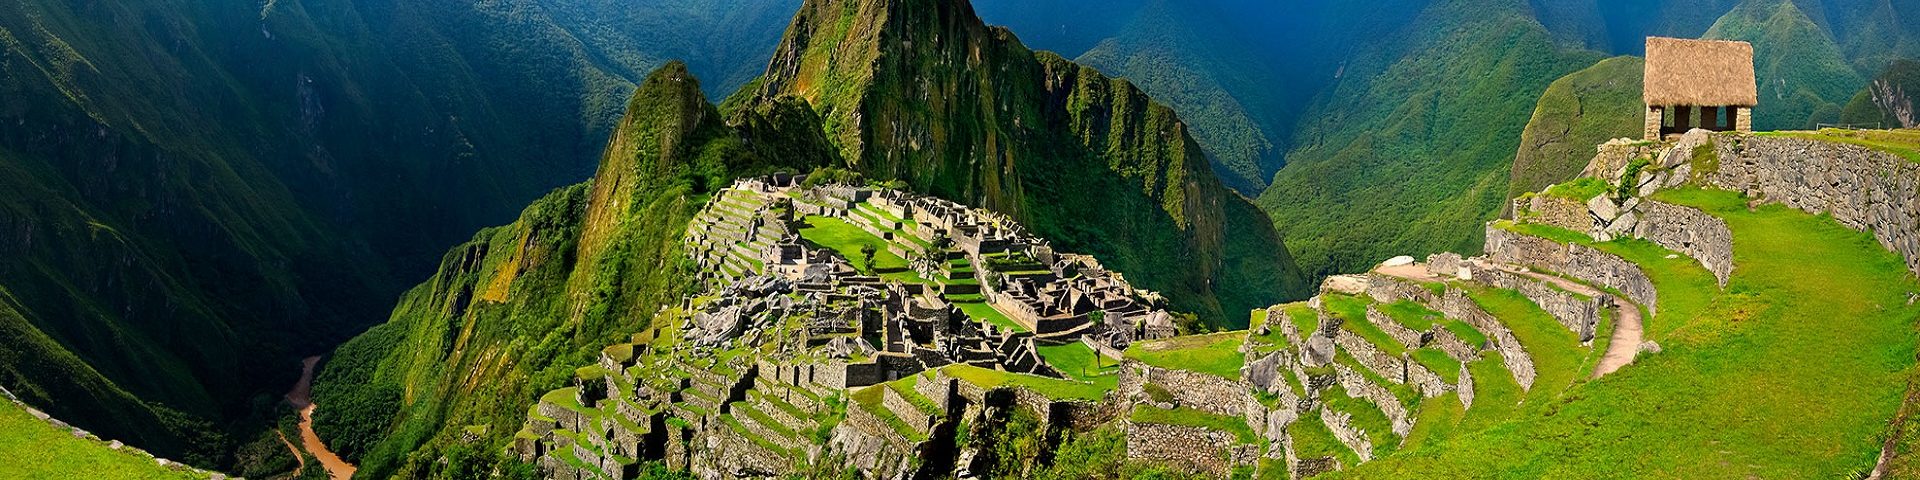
[1628,328]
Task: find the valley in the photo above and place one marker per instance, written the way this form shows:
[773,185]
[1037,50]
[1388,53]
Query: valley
[959,239]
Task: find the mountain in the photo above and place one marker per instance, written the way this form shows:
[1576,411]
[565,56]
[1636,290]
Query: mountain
[1408,151]
[1804,78]
[926,93]
[1577,112]
[193,195]
[918,93]
[1888,99]
[509,311]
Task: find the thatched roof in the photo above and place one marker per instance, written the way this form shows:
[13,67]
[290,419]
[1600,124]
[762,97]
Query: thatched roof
[1708,73]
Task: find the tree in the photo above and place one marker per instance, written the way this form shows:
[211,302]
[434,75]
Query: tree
[868,251]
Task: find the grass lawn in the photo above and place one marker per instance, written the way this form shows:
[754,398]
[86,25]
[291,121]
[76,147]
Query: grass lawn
[1792,372]
[980,310]
[34,449]
[1311,439]
[1053,388]
[1079,362]
[1366,416]
[1195,418]
[847,238]
[1215,354]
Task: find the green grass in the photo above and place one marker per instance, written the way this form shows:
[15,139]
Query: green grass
[1311,439]
[35,449]
[1411,314]
[1195,418]
[1304,319]
[1556,352]
[1366,416]
[1216,354]
[870,398]
[1353,309]
[1579,189]
[1439,362]
[1079,362]
[1902,143]
[983,311]
[1813,311]
[847,239]
[1053,388]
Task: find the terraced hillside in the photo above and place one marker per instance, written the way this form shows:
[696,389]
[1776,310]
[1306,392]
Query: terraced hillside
[1703,282]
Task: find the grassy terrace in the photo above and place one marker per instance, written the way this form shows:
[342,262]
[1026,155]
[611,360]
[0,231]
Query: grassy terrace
[1274,340]
[1053,388]
[871,399]
[980,310]
[1215,354]
[1904,143]
[1813,311]
[1556,352]
[1411,314]
[1366,415]
[1079,362]
[1580,189]
[1353,309]
[1311,439]
[35,449]
[1196,418]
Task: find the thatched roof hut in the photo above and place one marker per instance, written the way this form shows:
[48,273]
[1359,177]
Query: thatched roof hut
[1700,73]
[1698,84]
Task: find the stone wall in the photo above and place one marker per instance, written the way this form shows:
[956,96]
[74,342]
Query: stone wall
[1579,313]
[1201,449]
[1861,188]
[1341,424]
[1388,289]
[1358,386]
[1580,261]
[1691,231]
[1452,345]
[1369,356]
[1457,305]
[1556,211]
[1400,333]
[1190,389]
[1465,387]
[904,408]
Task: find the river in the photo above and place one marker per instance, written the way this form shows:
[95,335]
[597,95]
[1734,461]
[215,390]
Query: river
[301,398]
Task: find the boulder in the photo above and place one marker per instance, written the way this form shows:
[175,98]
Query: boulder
[1399,261]
[1603,208]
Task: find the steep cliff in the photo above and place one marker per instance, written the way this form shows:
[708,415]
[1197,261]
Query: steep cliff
[510,311]
[923,92]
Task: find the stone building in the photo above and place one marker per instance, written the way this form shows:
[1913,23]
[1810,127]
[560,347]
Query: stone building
[1706,84]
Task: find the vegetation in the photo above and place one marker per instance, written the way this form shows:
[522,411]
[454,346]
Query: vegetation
[1577,112]
[1791,267]
[1050,387]
[1079,362]
[35,449]
[1190,417]
[1215,354]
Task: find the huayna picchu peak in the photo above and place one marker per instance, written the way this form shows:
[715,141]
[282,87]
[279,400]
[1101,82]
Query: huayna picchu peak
[905,239]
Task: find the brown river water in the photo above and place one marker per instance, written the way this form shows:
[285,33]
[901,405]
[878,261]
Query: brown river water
[301,398]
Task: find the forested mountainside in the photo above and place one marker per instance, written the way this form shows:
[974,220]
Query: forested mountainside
[1088,162]
[193,194]
[926,93]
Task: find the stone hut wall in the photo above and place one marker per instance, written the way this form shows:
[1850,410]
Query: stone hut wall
[1580,261]
[1358,386]
[1691,231]
[1579,313]
[1456,304]
[1861,188]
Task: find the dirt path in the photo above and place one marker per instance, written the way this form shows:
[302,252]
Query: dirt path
[1628,328]
[301,398]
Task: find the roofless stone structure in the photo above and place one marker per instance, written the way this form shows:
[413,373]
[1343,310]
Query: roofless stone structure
[1692,84]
